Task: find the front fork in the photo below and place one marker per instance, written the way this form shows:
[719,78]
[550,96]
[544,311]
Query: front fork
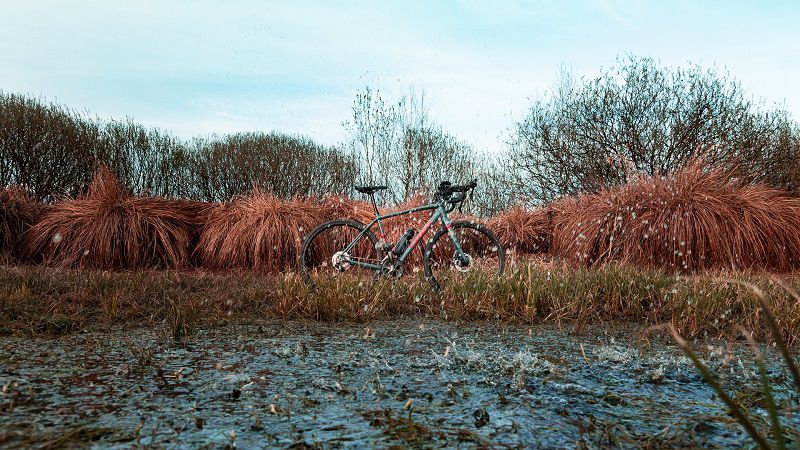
[460,256]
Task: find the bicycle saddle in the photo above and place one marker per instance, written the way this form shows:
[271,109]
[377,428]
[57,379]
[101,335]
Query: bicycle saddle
[370,189]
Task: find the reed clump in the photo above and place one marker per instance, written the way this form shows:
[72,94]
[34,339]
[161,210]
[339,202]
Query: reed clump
[108,228]
[526,231]
[18,212]
[334,207]
[257,231]
[692,220]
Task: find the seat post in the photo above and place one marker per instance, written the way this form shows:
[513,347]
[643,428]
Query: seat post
[375,207]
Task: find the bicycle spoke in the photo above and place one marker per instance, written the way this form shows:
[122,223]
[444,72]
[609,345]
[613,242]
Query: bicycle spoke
[480,253]
[332,239]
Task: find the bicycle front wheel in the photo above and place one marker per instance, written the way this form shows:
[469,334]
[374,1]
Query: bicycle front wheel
[323,250]
[480,251]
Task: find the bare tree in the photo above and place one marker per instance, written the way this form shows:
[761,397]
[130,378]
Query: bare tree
[372,132]
[397,144]
[286,165]
[643,118]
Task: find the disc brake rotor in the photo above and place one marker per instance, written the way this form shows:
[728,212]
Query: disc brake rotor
[462,266]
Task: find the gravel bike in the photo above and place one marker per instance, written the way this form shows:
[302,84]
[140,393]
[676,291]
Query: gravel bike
[340,245]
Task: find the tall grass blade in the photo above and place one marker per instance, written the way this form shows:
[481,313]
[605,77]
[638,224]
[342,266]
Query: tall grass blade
[772,409]
[736,410]
[777,336]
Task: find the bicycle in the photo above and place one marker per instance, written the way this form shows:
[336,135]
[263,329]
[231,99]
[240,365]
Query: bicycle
[339,245]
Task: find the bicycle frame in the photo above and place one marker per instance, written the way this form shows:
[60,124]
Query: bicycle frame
[438,214]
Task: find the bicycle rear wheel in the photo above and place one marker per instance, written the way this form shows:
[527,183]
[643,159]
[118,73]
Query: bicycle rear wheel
[483,252]
[322,252]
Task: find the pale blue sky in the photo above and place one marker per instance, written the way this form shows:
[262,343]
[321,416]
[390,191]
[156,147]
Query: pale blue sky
[200,67]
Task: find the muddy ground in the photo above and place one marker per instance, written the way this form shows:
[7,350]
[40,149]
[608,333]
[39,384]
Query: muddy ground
[413,384]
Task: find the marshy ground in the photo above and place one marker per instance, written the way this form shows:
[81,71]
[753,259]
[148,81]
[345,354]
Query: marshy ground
[412,383]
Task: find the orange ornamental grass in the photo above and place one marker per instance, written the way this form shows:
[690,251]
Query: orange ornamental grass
[333,207]
[691,220]
[336,207]
[523,230]
[108,228]
[257,231]
[18,212]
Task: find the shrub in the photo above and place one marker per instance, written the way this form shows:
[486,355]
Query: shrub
[257,231]
[107,228]
[691,220]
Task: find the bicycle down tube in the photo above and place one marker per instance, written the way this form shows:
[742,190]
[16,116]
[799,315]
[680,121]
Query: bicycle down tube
[439,214]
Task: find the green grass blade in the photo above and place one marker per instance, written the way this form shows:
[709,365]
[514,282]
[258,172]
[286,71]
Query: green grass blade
[736,410]
[773,324]
[775,332]
[772,409]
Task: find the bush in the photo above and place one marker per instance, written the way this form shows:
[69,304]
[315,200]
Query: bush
[18,212]
[53,151]
[107,228]
[692,220]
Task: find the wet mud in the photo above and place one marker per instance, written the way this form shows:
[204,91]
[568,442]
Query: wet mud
[417,384]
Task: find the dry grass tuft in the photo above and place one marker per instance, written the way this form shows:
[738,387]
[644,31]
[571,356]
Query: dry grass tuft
[522,230]
[18,212]
[258,231]
[47,300]
[691,220]
[110,229]
[340,207]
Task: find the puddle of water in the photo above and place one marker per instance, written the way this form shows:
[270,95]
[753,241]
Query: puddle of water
[414,383]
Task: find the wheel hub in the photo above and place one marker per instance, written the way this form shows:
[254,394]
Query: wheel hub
[341,261]
[462,264]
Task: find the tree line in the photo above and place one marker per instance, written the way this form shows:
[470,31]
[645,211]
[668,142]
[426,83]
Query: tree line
[53,151]
[635,118]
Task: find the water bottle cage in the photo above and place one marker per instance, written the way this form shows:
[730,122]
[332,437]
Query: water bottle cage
[402,243]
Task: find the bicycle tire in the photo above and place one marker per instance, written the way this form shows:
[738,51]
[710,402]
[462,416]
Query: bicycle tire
[430,249]
[310,245]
